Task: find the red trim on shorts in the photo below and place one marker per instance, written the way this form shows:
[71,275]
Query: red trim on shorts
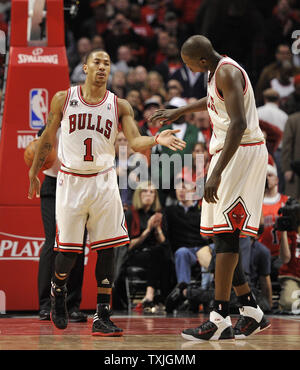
[68,250]
[228,231]
[249,233]
[91,104]
[206,234]
[246,144]
[206,228]
[85,175]
[252,144]
[78,174]
[70,244]
[111,245]
[109,240]
[224,225]
[252,228]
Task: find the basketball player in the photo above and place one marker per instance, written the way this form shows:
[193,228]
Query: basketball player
[235,184]
[87,193]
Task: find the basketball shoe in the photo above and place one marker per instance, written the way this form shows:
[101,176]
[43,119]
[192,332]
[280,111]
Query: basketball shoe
[102,325]
[59,312]
[216,328]
[251,321]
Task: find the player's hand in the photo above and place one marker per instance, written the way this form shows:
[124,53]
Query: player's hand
[168,139]
[34,187]
[164,116]
[211,188]
[150,223]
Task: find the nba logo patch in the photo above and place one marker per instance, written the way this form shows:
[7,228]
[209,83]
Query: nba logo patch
[38,108]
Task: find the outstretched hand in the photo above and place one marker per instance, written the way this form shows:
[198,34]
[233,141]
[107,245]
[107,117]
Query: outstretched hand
[168,139]
[165,116]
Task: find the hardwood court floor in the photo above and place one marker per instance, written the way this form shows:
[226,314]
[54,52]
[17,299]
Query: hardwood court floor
[140,333]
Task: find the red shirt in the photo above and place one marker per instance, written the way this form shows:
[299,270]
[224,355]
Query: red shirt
[292,268]
[271,238]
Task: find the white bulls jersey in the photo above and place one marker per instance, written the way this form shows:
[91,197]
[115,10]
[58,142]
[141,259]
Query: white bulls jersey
[219,116]
[88,132]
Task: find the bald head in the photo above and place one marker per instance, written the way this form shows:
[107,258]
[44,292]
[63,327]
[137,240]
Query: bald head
[197,47]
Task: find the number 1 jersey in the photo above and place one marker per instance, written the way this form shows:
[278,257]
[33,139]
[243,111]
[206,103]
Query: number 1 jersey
[88,132]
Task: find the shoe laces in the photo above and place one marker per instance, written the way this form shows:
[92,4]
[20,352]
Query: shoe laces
[240,323]
[206,326]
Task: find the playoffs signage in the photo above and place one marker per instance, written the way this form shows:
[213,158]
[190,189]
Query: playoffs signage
[18,247]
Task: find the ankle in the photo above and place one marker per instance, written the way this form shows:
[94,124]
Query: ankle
[247,300]
[221,307]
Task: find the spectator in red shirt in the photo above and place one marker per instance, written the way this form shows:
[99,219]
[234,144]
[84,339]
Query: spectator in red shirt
[289,273]
[188,13]
[270,237]
[139,24]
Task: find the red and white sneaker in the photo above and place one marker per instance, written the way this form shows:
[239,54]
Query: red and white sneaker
[251,321]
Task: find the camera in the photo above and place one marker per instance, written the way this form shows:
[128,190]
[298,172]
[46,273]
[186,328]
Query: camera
[71,6]
[290,216]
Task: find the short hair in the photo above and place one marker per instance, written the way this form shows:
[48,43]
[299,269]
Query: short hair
[271,95]
[87,56]
[197,46]
[136,199]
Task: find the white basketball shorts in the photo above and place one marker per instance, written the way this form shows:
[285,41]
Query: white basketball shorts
[240,193]
[91,200]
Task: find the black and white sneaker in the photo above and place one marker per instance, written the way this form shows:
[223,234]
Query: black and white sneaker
[251,321]
[216,328]
[59,312]
[102,325]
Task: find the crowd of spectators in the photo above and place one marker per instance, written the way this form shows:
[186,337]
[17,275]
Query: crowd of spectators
[143,39]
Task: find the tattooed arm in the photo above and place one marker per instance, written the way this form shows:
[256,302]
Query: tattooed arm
[46,142]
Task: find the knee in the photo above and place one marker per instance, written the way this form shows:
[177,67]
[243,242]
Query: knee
[181,253]
[65,261]
[228,242]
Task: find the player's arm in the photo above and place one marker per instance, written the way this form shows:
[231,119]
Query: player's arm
[138,142]
[46,142]
[170,115]
[231,83]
